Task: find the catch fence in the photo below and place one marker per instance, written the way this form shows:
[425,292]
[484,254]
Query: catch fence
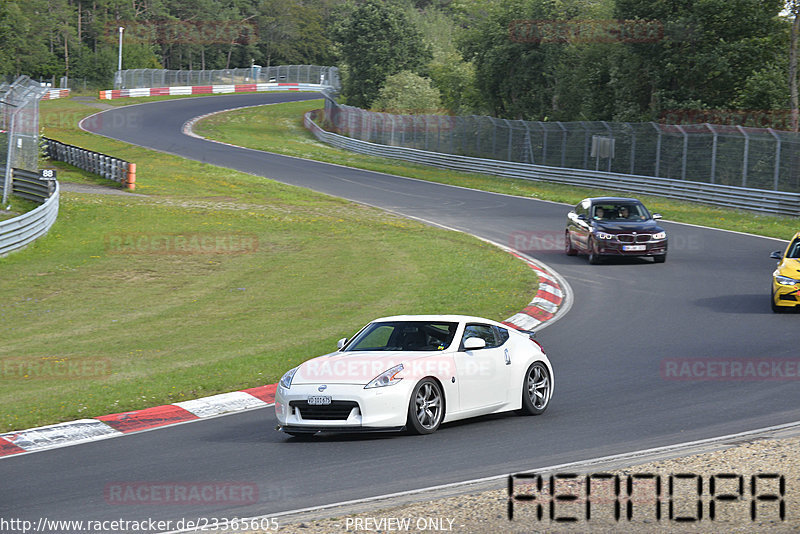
[734,156]
[307,74]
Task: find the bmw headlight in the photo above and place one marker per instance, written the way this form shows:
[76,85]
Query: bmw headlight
[286,379]
[785,280]
[660,235]
[603,235]
[386,378]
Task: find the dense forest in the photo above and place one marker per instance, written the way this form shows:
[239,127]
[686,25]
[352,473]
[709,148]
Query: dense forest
[616,60]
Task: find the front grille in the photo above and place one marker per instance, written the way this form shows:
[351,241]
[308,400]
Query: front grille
[630,238]
[336,410]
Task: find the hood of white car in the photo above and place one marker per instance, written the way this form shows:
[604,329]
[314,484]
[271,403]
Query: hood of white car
[360,367]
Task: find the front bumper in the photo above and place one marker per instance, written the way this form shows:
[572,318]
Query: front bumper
[783,295]
[352,408]
[613,247]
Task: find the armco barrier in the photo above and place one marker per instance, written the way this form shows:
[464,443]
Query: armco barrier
[28,185]
[108,167]
[210,89]
[20,231]
[776,202]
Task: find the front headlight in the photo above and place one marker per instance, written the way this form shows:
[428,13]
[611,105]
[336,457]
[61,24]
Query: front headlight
[660,235]
[785,280]
[286,379]
[603,235]
[386,378]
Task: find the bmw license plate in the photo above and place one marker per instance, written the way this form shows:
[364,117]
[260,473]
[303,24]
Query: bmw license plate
[633,248]
[319,400]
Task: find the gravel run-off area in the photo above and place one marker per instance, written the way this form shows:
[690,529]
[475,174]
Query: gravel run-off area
[476,509]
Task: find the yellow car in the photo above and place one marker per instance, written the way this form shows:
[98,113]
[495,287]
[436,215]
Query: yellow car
[786,278]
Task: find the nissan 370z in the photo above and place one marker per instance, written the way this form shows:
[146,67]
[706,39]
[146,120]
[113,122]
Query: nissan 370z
[414,373]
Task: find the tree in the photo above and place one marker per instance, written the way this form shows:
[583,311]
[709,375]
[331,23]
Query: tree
[708,51]
[408,93]
[377,41]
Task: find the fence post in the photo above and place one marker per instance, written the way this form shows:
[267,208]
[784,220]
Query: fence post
[131,176]
[685,149]
[777,171]
[745,156]
[633,147]
[658,150]
[714,145]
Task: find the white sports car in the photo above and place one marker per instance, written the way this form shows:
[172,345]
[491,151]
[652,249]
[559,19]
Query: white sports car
[416,372]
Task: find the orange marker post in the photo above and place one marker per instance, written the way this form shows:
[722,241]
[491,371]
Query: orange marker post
[131,176]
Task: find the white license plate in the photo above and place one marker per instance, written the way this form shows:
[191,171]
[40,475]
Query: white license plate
[633,248]
[319,400]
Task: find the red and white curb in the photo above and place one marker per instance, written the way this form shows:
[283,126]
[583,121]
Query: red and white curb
[109,426]
[210,89]
[545,305]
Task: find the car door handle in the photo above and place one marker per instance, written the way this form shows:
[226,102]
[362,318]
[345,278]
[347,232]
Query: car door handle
[508,358]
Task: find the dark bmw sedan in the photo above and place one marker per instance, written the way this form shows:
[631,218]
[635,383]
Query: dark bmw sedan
[611,226]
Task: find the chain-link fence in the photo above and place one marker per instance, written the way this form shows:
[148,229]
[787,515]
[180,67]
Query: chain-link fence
[136,78]
[19,128]
[757,158]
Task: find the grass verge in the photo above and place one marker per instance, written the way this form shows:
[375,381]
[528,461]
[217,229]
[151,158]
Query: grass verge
[279,128]
[214,281]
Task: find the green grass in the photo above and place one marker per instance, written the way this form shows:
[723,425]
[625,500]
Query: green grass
[279,128]
[132,326]
[15,207]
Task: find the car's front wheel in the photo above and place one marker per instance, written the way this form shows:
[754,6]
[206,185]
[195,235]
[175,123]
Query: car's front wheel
[536,389]
[660,259]
[426,408]
[569,249]
[594,257]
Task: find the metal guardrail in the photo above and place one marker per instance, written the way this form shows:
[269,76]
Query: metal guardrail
[20,231]
[775,202]
[108,167]
[28,185]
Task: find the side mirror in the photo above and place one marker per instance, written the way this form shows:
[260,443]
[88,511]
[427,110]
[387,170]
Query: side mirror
[474,343]
[656,216]
[581,217]
[341,343]
[776,255]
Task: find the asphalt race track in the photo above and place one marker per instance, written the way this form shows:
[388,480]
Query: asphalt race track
[708,301]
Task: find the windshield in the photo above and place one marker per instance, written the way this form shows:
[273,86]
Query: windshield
[404,336]
[621,212]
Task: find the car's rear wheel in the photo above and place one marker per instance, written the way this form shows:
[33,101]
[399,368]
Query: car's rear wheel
[568,248]
[594,257]
[536,389]
[426,408]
